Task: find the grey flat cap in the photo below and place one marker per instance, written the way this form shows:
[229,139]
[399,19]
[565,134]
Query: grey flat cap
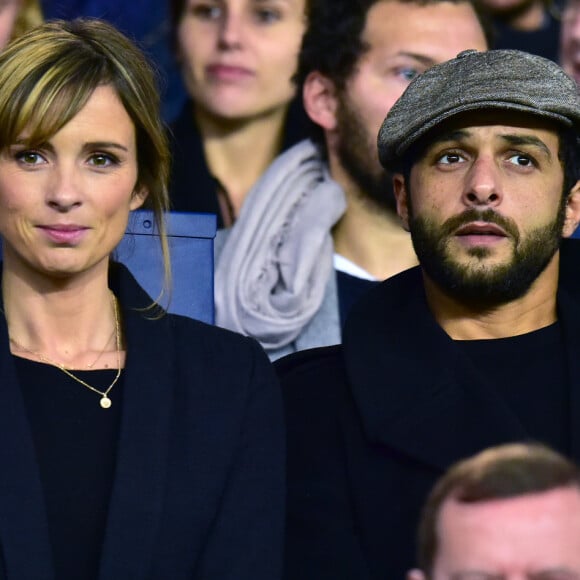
[508,80]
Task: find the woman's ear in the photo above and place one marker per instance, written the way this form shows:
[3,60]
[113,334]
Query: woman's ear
[138,197]
[572,217]
[320,100]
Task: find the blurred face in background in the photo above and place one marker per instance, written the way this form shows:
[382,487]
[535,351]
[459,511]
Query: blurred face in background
[570,39]
[404,40]
[9,10]
[238,56]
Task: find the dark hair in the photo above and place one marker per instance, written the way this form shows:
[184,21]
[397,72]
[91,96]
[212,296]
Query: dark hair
[332,43]
[502,472]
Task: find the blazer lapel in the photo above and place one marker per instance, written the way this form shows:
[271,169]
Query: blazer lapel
[23,523]
[137,496]
[413,388]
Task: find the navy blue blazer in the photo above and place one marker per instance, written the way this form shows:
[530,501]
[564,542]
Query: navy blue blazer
[372,423]
[198,491]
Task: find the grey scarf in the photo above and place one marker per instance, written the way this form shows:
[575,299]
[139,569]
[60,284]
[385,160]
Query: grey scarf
[273,269]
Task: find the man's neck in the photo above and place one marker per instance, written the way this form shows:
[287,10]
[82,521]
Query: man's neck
[535,310]
[371,237]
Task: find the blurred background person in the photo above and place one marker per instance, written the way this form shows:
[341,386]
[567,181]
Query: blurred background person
[237,58]
[570,39]
[16,17]
[320,228]
[528,25]
[509,512]
[136,444]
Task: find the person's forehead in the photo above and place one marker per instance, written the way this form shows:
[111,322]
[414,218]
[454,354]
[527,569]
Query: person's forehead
[515,123]
[534,530]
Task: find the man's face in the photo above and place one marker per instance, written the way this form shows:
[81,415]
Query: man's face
[570,39]
[485,209]
[404,40]
[530,537]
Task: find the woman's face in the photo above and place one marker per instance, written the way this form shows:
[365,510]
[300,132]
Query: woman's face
[238,56]
[64,205]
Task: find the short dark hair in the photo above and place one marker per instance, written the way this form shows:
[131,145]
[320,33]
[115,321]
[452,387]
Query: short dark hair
[506,471]
[332,43]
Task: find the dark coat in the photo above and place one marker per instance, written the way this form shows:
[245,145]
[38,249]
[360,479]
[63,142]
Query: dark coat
[198,491]
[373,423]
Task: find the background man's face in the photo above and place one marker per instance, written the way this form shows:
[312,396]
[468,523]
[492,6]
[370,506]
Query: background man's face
[535,536]
[570,39]
[404,40]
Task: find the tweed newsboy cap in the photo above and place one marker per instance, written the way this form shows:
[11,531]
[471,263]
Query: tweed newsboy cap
[507,80]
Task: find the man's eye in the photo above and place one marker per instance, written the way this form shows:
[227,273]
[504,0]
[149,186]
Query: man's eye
[450,158]
[521,160]
[408,73]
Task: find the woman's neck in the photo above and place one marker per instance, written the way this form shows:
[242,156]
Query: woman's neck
[69,322]
[238,152]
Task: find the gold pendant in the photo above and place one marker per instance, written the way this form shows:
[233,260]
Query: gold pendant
[105,402]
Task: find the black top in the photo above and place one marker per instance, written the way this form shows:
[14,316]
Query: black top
[528,372]
[76,443]
[192,187]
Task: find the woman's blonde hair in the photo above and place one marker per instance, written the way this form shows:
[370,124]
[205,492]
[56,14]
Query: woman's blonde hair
[48,74]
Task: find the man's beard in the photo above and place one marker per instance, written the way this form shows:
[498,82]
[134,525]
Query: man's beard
[476,284]
[358,155]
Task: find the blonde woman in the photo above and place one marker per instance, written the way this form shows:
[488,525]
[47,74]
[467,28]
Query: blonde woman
[133,445]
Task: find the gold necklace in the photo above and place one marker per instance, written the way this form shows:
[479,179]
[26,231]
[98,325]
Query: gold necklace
[105,401]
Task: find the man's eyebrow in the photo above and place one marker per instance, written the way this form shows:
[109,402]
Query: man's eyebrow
[422,58]
[555,574]
[455,135]
[528,140]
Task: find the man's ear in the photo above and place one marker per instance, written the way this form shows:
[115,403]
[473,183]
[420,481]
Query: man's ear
[572,211]
[400,191]
[415,575]
[138,197]
[320,100]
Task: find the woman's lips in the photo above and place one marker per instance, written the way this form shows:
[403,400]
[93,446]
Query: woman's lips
[64,234]
[230,73]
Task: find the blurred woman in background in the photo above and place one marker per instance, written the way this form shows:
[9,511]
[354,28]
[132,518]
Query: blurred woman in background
[237,58]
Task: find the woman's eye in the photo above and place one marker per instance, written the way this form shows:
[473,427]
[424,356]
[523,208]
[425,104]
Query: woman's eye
[102,160]
[267,16]
[206,11]
[29,157]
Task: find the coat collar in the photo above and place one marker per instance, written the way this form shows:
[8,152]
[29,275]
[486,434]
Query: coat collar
[139,482]
[415,391]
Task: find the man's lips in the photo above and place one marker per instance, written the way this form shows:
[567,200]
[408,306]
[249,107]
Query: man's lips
[481,229]
[480,233]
